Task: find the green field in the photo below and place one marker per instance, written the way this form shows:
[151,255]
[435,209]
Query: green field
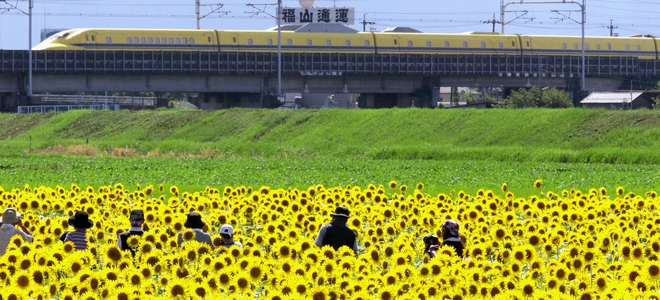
[446,149]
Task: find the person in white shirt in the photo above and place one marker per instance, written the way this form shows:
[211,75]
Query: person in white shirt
[10,220]
[227,233]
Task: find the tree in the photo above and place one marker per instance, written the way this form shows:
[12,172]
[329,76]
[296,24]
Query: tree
[535,97]
[455,96]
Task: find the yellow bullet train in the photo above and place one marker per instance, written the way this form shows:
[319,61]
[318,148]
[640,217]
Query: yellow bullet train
[392,42]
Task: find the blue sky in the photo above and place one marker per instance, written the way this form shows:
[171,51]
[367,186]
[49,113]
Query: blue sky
[630,16]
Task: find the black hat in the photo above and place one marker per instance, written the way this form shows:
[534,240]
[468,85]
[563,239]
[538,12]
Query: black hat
[194,220]
[341,211]
[81,220]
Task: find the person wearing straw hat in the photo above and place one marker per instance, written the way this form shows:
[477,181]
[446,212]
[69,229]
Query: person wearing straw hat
[81,222]
[137,219]
[10,220]
[194,222]
[336,234]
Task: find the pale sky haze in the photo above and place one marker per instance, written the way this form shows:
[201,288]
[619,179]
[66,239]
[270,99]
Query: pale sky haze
[440,16]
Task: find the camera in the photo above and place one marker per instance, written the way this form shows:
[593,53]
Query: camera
[429,241]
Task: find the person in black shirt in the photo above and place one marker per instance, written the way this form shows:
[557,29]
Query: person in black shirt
[336,233]
[450,237]
[137,219]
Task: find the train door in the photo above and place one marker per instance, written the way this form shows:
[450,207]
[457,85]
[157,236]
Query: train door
[234,42]
[396,41]
[526,45]
[91,39]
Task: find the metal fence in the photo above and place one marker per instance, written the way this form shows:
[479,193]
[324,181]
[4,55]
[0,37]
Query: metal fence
[98,100]
[62,108]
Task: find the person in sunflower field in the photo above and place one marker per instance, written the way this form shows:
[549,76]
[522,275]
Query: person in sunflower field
[450,237]
[80,222]
[227,234]
[336,233]
[194,222]
[137,219]
[10,220]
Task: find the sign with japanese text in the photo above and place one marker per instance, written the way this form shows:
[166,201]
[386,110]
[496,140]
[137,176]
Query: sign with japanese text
[327,15]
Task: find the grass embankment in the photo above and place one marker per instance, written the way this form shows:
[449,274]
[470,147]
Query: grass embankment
[541,135]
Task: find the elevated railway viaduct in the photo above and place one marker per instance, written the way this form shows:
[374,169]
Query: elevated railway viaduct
[231,79]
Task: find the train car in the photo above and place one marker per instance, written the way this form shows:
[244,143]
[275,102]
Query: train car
[131,39]
[429,43]
[641,47]
[291,41]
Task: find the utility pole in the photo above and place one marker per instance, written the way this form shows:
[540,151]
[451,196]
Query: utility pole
[213,10]
[29,14]
[364,22]
[611,28]
[493,21]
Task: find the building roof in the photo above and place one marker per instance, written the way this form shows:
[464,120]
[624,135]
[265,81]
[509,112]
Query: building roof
[611,97]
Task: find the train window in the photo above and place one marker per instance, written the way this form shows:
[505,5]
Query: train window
[348,42]
[157,40]
[483,45]
[249,41]
[143,40]
[171,41]
[527,43]
[309,42]
[328,43]
[93,38]
[563,46]
[501,45]
[192,41]
[395,42]
[233,39]
[446,44]
[586,46]
[410,44]
[289,42]
[627,48]
[638,48]
[366,43]
[513,44]
[597,46]
[185,40]
[86,38]
[150,40]
[128,40]
[178,40]
[135,40]
[609,46]
[575,46]
[428,43]
[208,38]
[108,40]
[270,41]
[464,44]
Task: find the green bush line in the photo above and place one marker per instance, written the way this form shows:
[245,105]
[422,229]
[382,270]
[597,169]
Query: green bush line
[539,135]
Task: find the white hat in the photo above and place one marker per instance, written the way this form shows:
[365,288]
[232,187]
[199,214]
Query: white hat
[227,229]
[10,216]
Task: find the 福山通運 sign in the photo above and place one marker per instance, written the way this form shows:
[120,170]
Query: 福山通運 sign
[323,15]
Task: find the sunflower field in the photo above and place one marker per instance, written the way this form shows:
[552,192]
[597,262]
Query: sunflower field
[581,244]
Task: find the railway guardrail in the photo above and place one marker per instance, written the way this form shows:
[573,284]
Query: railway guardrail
[332,64]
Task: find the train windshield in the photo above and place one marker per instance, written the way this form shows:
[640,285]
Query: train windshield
[59,35]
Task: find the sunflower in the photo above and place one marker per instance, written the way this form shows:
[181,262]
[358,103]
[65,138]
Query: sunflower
[22,279]
[392,184]
[619,191]
[177,288]
[538,183]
